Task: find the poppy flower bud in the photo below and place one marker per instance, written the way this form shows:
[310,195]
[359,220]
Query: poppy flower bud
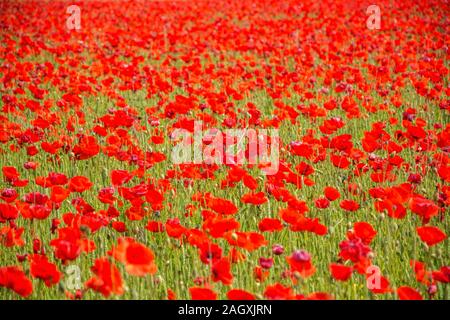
[55,223]
[134,158]
[8,193]
[432,289]
[301,256]
[277,249]
[408,116]
[36,245]
[266,263]
[21,257]
[12,224]
[414,178]
[78,294]
[30,165]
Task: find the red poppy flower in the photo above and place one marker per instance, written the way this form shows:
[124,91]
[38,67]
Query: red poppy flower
[79,184]
[238,294]
[300,261]
[70,244]
[12,176]
[59,194]
[408,293]
[10,237]
[120,177]
[107,279]
[217,226]
[155,226]
[340,272]
[246,240]
[364,231]
[349,205]
[221,271]
[41,268]
[279,292]
[8,212]
[222,206]
[137,258]
[198,293]
[254,198]
[422,275]
[8,195]
[322,203]
[442,275]
[171,294]
[15,279]
[431,235]
[424,208]
[379,285]
[320,296]
[270,225]
[119,226]
[86,148]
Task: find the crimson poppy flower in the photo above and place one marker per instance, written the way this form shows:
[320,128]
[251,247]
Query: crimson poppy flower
[278,292]
[331,193]
[408,293]
[119,177]
[221,271]
[260,273]
[171,294]
[41,268]
[137,258]
[12,176]
[70,244]
[340,272]
[79,184]
[155,226]
[15,279]
[222,206]
[270,225]
[198,293]
[442,275]
[424,208]
[320,296]
[87,147]
[422,275]
[59,194]
[364,231]
[107,278]
[322,203]
[246,240]
[254,198]
[238,294]
[431,235]
[119,226]
[217,226]
[8,212]
[8,195]
[10,237]
[349,205]
[300,261]
[380,285]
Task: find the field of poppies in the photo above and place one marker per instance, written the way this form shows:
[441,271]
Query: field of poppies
[92,205]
